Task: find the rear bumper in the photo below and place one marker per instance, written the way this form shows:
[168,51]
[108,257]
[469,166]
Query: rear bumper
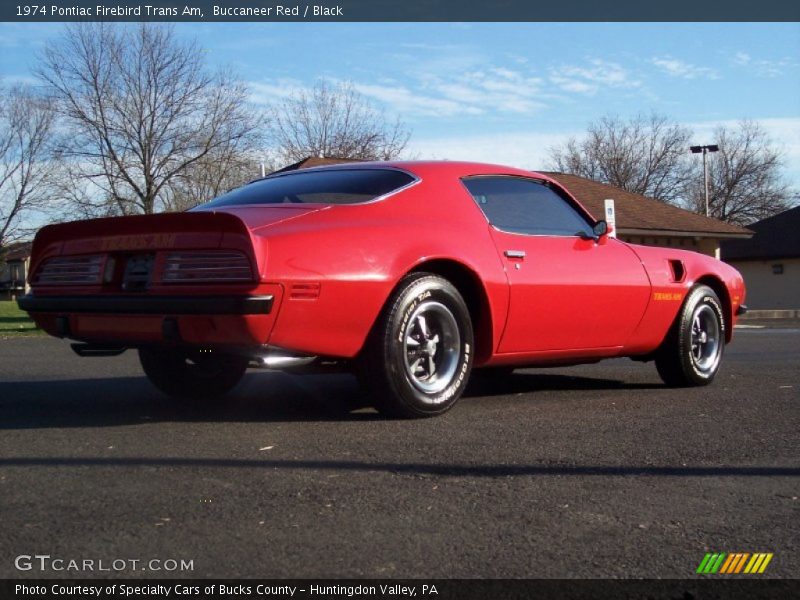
[149,305]
[130,321]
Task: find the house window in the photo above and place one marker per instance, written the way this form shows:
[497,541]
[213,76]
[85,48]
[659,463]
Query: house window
[777,269]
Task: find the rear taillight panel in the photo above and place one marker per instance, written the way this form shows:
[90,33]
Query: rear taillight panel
[131,272]
[208,266]
[71,270]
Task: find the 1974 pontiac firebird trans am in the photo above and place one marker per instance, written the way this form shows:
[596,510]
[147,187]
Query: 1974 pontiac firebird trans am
[413,274]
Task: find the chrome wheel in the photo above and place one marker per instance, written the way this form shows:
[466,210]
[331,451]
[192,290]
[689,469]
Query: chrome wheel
[431,345]
[705,338]
[692,351]
[418,357]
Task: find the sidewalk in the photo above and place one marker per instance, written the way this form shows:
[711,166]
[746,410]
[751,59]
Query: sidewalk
[772,319]
[771,314]
[768,323]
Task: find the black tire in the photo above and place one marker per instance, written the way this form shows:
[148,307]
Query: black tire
[692,352]
[192,375]
[418,357]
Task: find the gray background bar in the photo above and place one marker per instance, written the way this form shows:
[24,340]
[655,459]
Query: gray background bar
[407,10]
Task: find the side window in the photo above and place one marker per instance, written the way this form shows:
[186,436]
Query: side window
[520,205]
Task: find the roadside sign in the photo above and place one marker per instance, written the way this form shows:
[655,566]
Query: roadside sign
[611,217]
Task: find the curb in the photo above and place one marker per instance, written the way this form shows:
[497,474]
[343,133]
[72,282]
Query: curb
[770,314]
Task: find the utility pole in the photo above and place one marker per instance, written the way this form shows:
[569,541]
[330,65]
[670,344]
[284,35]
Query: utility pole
[705,150]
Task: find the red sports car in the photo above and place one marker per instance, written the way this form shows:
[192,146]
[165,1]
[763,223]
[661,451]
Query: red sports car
[412,273]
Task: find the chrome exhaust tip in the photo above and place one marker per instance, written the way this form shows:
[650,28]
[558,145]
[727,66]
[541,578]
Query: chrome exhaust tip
[277,358]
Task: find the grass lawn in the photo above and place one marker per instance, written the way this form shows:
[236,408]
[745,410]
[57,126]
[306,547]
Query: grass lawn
[15,322]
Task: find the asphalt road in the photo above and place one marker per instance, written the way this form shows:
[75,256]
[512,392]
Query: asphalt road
[595,471]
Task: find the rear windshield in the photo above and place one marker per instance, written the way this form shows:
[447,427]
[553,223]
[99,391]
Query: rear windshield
[335,186]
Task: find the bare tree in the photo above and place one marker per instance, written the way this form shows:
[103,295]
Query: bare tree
[76,195]
[644,155]
[745,181]
[211,176]
[26,125]
[142,109]
[334,120]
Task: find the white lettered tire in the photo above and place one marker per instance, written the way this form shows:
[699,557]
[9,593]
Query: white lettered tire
[692,352]
[418,358]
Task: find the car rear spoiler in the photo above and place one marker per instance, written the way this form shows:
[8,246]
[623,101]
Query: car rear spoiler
[141,233]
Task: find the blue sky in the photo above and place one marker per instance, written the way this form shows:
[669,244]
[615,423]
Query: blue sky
[508,92]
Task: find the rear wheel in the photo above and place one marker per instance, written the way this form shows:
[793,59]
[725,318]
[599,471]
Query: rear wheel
[692,352]
[192,375]
[417,360]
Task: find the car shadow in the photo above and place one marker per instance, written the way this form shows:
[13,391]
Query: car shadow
[108,402]
[260,397]
[521,382]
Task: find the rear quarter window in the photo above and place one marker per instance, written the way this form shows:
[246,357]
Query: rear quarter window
[335,186]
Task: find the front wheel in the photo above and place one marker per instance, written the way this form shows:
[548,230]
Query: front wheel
[192,375]
[692,351]
[418,358]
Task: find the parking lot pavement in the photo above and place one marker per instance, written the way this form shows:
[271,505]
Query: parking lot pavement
[593,471]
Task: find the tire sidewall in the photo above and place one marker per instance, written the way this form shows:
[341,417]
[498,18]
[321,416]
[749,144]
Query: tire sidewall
[702,295]
[414,400]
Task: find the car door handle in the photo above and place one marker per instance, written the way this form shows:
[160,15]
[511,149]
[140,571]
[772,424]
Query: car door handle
[515,253]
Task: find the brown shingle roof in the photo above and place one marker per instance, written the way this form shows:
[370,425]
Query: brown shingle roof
[18,251]
[316,161]
[640,213]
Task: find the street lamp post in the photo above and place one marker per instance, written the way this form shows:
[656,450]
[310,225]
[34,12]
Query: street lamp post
[705,150]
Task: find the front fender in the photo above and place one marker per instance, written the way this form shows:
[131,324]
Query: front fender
[673,273]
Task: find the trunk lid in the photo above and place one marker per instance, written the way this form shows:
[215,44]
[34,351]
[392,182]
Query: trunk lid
[140,237]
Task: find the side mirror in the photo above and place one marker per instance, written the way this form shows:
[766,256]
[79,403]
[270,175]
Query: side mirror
[600,229]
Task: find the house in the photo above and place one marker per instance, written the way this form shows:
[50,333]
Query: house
[14,262]
[639,219]
[770,261]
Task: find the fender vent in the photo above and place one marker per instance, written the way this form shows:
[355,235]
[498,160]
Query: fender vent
[305,291]
[678,271]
